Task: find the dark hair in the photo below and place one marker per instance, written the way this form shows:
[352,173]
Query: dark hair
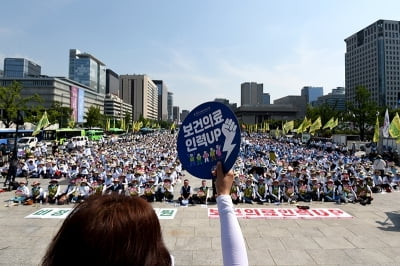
[109,230]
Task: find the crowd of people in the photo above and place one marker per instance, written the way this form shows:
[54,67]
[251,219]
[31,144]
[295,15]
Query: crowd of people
[266,171]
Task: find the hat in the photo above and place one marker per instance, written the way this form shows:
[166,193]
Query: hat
[35,183]
[22,182]
[53,181]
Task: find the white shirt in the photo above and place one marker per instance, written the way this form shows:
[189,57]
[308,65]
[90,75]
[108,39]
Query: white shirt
[232,242]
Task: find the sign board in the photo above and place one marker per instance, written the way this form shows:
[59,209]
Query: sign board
[62,213]
[210,133]
[284,213]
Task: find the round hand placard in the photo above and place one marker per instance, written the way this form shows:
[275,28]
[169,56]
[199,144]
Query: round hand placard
[210,133]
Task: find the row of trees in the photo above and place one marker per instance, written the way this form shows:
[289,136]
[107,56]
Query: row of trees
[12,102]
[361,115]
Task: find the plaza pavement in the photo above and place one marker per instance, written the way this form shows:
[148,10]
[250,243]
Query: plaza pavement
[371,237]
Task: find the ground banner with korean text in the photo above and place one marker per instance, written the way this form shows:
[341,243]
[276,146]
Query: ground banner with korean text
[62,213]
[285,213]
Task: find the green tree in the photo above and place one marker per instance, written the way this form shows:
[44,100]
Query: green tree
[59,114]
[94,118]
[363,112]
[11,101]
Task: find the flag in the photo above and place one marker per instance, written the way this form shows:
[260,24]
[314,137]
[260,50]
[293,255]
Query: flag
[266,126]
[316,125]
[108,124]
[330,123]
[386,123]
[336,123]
[43,122]
[376,132]
[283,129]
[122,123]
[301,127]
[394,127]
[307,124]
[277,133]
[288,126]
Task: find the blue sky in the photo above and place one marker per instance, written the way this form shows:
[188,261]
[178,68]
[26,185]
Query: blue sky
[202,49]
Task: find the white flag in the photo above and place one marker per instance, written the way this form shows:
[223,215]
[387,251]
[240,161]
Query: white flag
[386,124]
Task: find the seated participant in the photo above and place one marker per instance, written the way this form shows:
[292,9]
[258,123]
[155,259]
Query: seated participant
[249,191]
[167,189]
[37,193]
[201,196]
[21,194]
[274,192]
[236,195]
[303,191]
[329,191]
[149,190]
[186,193]
[363,192]
[261,190]
[289,192]
[53,191]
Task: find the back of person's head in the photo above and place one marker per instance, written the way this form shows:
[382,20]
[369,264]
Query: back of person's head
[109,230]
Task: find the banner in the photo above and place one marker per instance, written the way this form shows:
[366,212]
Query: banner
[284,213]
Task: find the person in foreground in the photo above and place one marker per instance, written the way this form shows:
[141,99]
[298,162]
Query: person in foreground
[233,246]
[109,230]
[122,230]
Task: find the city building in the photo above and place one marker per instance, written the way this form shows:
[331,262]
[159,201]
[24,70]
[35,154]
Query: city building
[256,114]
[335,99]
[68,93]
[312,93]
[251,93]
[233,106]
[372,60]
[21,68]
[176,115]
[170,105]
[162,100]
[141,92]
[266,98]
[88,70]
[112,82]
[184,114]
[299,103]
[116,109]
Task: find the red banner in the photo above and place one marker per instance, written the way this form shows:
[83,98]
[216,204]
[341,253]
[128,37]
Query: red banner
[284,213]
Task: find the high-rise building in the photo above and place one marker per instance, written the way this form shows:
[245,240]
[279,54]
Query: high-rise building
[336,99]
[372,60]
[176,116]
[20,68]
[312,93]
[112,82]
[162,100]
[266,98]
[88,70]
[141,92]
[251,93]
[170,106]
